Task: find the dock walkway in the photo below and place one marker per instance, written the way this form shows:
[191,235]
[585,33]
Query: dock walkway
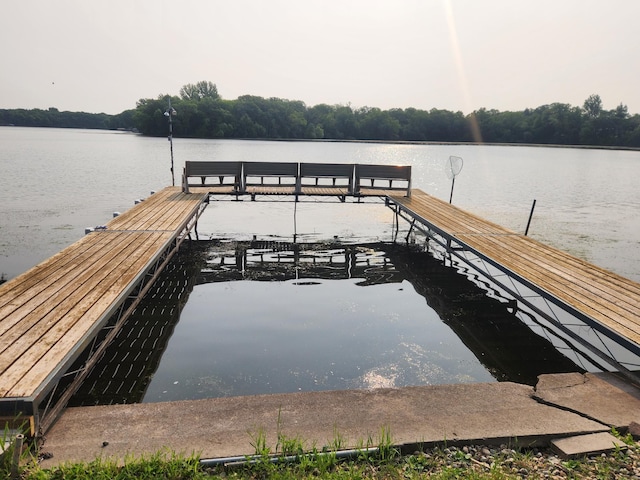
[603,299]
[51,313]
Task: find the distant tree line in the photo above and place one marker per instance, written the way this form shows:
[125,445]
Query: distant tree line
[55,118]
[201,112]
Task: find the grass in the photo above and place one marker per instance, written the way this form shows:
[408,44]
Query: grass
[159,466]
[375,458]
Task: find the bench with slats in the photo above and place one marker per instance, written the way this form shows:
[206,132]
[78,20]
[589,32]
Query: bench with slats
[269,178]
[222,178]
[326,179]
[289,178]
[382,180]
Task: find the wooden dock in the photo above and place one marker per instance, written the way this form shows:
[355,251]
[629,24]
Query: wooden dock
[51,313]
[591,293]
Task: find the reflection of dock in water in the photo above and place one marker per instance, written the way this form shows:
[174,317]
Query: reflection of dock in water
[281,261]
[51,315]
[501,342]
[129,362]
[125,371]
[508,348]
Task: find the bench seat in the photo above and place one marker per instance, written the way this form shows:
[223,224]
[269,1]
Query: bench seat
[289,178]
[382,180]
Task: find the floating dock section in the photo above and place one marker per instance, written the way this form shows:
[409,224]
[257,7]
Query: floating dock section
[50,314]
[546,280]
[57,318]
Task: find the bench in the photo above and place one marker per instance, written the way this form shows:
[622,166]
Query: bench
[218,177]
[269,178]
[289,178]
[326,179]
[382,180]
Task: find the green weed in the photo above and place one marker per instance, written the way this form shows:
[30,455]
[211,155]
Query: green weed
[160,465]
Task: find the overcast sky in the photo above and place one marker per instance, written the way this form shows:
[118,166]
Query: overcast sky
[104,55]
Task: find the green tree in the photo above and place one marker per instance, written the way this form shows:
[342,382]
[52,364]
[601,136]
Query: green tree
[149,116]
[593,106]
[199,91]
[376,124]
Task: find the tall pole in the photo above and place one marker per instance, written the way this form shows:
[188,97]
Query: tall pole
[526,232]
[453,182]
[170,113]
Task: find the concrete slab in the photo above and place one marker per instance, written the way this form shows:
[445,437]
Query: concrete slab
[582,445]
[601,396]
[224,427]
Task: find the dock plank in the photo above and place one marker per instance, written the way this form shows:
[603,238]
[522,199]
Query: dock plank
[599,294]
[43,319]
[587,293]
[271,189]
[49,313]
[376,192]
[42,296]
[90,305]
[465,225]
[16,287]
[164,210]
[522,252]
[39,306]
[324,190]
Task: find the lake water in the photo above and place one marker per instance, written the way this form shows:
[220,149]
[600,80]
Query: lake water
[323,331]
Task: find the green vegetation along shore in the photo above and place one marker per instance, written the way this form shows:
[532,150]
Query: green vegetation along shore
[382,461]
[200,112]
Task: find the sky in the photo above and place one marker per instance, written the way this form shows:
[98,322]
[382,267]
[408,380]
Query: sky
[459,55]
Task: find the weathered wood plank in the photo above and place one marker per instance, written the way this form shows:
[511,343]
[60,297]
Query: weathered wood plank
[60,286]
[376,192]
[585,292]
[164,210]
[324,191]
[38,286]
[133,218]
[38,315]
[610,299]
[49,312]
[271,189]
[464,225]
[76,317]
[30,279]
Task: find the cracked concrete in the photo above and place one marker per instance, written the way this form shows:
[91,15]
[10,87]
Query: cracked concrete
[605,397]
[489,413]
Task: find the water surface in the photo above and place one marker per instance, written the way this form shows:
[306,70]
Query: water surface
[268,320]
[267,317]
[57,182]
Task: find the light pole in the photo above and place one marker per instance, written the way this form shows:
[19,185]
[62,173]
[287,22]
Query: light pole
[170,112]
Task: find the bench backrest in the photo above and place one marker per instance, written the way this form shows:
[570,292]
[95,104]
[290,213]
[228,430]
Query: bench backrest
[383,177]
[354,176]
[225,173]
[327,174]
[254,173]
[212,169]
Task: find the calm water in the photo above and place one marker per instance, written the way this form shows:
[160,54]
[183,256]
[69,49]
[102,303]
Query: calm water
[57,182]
[273,317]
[280,325]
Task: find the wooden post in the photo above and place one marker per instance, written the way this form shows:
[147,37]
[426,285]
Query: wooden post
[530,215]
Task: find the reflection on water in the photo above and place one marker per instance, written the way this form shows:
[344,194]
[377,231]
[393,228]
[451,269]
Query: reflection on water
[278,317]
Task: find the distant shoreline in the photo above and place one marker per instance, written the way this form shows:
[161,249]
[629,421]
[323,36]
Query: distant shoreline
[421,142]
[337,140]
